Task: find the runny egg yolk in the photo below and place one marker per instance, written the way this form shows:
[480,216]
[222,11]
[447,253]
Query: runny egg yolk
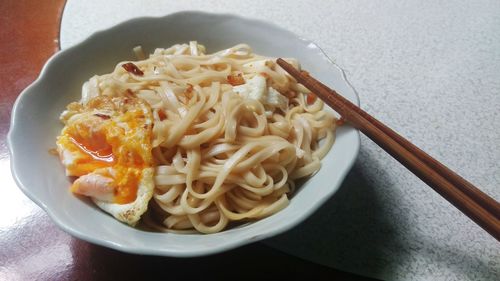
[104,153]
[116,147]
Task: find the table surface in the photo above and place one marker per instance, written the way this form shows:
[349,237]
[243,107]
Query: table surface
[428,69]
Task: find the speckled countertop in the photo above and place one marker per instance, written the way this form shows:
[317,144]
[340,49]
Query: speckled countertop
[428,69]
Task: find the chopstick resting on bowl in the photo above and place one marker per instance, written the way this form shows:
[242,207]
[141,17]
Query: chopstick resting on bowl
[478,206]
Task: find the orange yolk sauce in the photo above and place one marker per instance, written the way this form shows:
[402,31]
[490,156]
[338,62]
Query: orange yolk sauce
[117,147]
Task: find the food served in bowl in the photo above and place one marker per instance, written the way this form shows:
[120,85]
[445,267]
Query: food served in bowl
[41,176]
[201,140]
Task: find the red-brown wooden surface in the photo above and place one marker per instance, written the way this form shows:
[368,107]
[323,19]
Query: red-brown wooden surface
[32,247]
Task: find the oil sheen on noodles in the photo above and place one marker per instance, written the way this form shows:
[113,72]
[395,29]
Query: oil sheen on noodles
[232,131]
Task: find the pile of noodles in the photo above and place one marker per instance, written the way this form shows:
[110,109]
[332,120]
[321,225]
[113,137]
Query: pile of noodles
[220,156]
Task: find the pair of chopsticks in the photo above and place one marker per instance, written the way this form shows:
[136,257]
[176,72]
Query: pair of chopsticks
[478,206]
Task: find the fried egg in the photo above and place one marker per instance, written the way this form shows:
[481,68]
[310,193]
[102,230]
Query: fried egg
[106,144]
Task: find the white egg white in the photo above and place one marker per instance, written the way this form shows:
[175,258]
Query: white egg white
[131,213]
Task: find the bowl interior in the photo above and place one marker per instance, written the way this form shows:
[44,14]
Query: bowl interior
[35,125]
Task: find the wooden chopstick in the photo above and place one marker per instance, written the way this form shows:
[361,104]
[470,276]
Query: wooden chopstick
[465,186]
[478,206]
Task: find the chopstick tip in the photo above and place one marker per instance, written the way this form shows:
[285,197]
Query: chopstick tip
[280,61]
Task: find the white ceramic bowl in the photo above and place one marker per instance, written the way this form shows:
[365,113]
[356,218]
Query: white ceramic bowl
[35,125]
